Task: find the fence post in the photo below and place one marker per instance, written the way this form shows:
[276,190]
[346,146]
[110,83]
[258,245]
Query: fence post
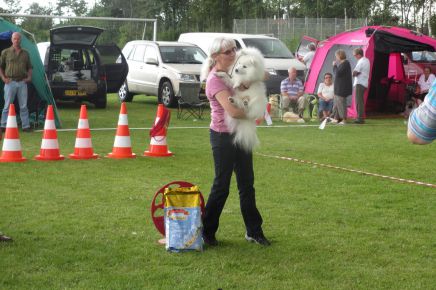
[305,25]
[143,32]
[267,24]
[256,27]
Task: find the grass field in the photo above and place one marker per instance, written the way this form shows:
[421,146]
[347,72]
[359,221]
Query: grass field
[87,224]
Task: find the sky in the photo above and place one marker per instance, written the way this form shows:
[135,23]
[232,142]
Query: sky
[45,3]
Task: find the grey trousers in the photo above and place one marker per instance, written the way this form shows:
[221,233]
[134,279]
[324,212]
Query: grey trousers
[360,106]
[339,108]
[296,105]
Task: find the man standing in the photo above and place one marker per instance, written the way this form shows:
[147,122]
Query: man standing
[292,93]
[361,77]
[16,72]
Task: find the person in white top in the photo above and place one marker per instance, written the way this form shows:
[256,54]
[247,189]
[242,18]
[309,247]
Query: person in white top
[361,78]
[424,83]
[307,59]
[326,94]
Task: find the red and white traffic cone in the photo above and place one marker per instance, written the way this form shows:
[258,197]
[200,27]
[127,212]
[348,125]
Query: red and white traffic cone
[122,144]
[158,142]
[83,146]
[11,150]
[49,145]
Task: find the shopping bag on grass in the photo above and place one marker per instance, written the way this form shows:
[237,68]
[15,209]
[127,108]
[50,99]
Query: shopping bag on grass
[183,226]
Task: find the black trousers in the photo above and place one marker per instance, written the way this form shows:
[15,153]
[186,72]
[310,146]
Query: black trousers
[228,158]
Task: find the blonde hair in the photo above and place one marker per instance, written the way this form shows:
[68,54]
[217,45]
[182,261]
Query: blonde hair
[341,54]
[218,44]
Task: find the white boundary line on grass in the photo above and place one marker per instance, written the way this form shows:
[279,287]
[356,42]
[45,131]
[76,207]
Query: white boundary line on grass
[410,181]
[183,128]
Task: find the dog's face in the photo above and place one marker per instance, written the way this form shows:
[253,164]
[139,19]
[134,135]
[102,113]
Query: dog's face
[410,105]
[249,66]
[274,100]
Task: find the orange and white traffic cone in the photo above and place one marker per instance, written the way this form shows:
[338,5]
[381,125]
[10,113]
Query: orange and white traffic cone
[11,150]
[83,146]
[158,142]
[49,145]
[122,144]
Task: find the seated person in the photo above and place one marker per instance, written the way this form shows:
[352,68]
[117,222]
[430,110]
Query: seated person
[422,121]
[326,94]
[424,83]
[291,90]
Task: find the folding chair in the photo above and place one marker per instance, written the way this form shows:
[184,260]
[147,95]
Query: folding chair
[281,108]
[189,101]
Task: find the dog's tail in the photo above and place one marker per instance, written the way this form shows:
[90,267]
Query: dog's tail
[245,135]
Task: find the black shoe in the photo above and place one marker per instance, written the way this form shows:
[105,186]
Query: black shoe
[4,238]
[28,130]
[359,122]
[258,239]
[210,240]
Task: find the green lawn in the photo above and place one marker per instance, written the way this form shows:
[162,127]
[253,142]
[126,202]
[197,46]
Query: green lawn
[87,225]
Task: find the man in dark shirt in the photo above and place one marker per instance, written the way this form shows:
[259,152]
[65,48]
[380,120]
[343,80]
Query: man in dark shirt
[16,72]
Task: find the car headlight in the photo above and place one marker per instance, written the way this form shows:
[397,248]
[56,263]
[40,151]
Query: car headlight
[271,71]
[187,78]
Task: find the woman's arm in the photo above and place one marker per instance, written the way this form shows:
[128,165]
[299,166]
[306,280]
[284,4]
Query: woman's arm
[234,112]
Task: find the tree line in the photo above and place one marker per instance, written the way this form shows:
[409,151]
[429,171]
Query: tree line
[178,16]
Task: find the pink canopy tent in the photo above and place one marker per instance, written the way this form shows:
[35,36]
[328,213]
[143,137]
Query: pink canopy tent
[383,47]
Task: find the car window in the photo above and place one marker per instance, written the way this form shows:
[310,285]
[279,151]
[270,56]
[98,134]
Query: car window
[150,52]
[303,49]
[270,48]
[424,56]
[138,55]
[109,54]
[182,54]
[127,51]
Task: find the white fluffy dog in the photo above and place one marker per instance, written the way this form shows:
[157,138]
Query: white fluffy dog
[248,73]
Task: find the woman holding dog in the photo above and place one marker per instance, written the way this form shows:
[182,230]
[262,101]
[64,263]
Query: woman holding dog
[227,156]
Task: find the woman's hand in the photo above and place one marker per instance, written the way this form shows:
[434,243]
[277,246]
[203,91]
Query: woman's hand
[234,112]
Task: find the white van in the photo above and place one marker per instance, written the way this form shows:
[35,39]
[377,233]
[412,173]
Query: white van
[278,58]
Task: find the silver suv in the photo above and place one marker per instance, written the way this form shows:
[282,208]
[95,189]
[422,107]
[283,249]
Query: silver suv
[158,69]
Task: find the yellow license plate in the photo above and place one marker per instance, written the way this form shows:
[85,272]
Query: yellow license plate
[73,93]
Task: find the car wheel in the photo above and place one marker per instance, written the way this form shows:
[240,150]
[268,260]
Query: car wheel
[166,94]
[101,103]
[123,93]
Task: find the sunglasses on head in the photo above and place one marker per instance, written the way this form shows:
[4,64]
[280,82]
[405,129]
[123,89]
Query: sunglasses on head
[229,51]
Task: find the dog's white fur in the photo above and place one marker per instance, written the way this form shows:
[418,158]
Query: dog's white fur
[290,117]
[248,71]
[275,107]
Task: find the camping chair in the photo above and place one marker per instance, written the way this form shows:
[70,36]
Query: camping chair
[189,101]
[281,109]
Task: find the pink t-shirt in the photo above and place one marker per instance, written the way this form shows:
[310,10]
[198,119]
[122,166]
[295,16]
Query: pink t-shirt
[214,85]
